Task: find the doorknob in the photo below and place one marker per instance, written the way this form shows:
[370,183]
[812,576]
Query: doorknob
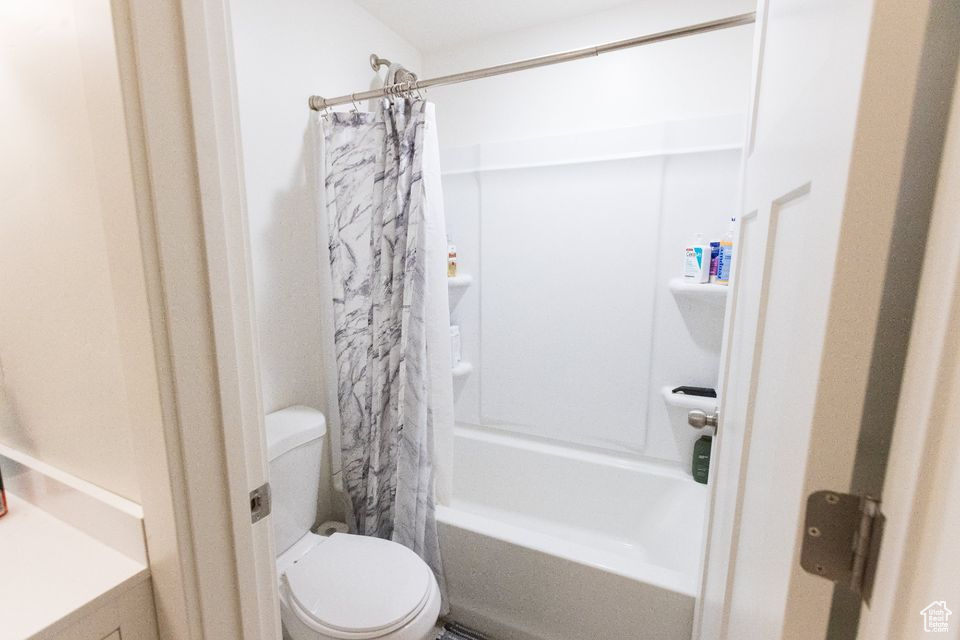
[699,419]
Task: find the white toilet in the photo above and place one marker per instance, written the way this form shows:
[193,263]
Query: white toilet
[344,586]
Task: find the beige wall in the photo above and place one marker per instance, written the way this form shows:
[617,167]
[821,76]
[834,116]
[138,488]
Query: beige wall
[75,343]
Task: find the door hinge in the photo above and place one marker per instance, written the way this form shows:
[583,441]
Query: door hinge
[260,503]
[841,539]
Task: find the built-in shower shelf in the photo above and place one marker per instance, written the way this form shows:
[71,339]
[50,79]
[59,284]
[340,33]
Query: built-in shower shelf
[685,401]
[708,292]
[461,281]
[462,369]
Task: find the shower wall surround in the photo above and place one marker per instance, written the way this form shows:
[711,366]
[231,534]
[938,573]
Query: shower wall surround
[573,240]
[570,191]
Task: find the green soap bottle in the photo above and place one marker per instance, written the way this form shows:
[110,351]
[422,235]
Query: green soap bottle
[701,459]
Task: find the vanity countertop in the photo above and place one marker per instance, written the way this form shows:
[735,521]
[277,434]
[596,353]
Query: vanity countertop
[52,574]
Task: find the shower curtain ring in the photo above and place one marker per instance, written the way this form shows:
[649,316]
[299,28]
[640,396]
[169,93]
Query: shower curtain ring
[353,99]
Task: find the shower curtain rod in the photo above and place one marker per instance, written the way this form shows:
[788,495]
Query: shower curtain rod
[319,103]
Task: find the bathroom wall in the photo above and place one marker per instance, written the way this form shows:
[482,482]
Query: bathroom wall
[569,192]
[283,55]
[572,241]
[76,351]
[693,77]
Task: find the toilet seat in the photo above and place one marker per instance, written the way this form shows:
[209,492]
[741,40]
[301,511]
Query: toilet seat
[358,587]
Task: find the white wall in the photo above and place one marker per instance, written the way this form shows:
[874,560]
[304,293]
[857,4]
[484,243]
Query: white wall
[572,240]
[566,281]
[571,325]
[75,340]
[692,77]
[285,52]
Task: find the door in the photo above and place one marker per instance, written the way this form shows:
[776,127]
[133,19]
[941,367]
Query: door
[214,571]
[843,142]
[214,111]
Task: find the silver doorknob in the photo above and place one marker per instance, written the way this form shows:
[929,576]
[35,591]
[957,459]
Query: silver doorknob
[699,419]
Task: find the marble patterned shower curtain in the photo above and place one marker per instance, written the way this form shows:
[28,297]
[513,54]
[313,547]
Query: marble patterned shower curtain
[377,219]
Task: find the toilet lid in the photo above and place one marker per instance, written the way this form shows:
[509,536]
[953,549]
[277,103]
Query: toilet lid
[360,584]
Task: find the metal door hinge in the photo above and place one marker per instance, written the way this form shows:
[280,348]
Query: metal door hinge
[260,503]
[841,539]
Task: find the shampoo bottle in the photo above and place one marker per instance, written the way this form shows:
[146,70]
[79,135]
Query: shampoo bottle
[701,459]
[725,259]
[714,259]
[451,260]
[696,261]
[455,349]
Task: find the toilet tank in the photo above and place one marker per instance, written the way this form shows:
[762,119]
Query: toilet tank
[294,450]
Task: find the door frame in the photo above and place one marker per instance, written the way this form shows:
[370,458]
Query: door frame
[920,453]
[213,571]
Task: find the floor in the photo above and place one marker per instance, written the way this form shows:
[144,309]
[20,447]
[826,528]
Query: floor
[455,631]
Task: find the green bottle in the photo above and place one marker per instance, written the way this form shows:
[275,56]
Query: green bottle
[701,459]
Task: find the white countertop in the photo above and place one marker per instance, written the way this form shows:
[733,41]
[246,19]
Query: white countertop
[51,573]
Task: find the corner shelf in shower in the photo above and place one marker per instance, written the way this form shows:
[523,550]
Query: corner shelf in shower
[684,401]
[463,368]
[459,282]
[707,291]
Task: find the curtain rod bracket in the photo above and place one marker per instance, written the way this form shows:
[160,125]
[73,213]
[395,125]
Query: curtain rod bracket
[376,62]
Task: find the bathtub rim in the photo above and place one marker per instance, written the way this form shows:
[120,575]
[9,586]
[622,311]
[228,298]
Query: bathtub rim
[572,451]
[458,513]
[645,572]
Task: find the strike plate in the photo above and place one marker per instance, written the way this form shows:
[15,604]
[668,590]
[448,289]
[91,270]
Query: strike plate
[260,503]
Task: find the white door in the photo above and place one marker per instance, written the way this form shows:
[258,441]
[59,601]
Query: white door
[215,573]
[837,121]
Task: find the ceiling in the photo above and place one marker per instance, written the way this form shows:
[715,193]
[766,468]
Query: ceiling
[432,25]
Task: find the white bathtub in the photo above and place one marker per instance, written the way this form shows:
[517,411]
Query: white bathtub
[545,542]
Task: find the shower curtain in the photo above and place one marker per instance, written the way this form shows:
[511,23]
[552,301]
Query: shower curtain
[382,230]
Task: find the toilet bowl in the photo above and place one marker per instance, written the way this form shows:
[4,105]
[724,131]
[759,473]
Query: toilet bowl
[357,588]
[341,587]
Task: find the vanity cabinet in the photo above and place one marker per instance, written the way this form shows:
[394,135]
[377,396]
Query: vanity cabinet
[73,558]
[125,616]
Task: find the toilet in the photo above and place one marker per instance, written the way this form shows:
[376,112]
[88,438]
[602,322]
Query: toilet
[344,586]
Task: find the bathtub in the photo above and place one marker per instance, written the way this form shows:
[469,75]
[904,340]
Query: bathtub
[548,542]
